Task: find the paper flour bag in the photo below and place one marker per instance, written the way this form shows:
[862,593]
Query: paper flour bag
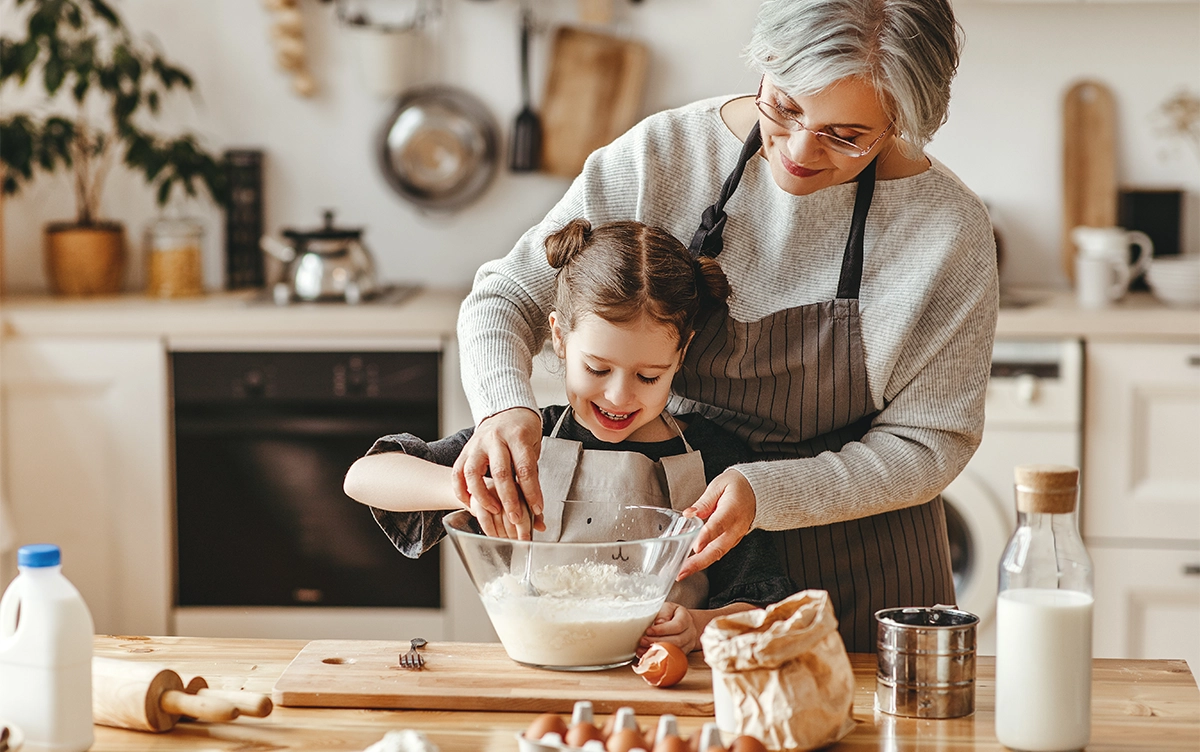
[784,671]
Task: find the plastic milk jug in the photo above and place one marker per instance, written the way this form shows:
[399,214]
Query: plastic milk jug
[1044,618]
[46,655]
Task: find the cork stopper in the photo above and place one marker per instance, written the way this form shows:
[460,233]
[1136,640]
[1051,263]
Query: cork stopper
[1047,489]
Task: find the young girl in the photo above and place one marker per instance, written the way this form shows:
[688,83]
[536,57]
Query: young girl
[625,309]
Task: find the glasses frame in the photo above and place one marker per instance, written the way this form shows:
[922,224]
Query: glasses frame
[827,140]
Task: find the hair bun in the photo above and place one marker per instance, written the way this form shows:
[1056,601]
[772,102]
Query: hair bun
[566,243]
[711,282]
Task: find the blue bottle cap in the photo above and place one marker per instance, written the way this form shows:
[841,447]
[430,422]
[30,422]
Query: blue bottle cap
[39,555]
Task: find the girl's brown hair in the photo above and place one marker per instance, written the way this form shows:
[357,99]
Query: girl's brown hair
[622,270]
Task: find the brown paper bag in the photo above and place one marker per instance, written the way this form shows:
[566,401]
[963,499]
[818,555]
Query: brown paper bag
[786,672]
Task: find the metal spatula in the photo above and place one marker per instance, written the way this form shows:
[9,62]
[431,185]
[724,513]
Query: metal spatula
[526,152]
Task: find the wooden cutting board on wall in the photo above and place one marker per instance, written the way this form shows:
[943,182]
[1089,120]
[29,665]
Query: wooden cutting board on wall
[1089,163]
[473,676]
[593,94]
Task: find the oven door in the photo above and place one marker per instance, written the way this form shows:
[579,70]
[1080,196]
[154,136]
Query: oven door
[261,519]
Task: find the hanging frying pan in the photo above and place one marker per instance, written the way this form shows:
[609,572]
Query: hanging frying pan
[439,148]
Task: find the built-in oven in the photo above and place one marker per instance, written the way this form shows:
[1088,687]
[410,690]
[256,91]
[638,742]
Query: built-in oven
[266,542]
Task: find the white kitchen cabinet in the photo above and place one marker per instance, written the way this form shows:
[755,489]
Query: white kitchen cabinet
[1141,497]
[86,459]
[1147,603]
[1141,468]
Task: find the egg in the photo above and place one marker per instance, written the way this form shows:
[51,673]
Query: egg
[625,740]
[662,665]
[581,733]
[747,744]
[694,745]
[546,723]
[672,743]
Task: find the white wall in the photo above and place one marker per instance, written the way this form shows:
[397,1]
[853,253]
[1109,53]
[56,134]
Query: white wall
[1003,137]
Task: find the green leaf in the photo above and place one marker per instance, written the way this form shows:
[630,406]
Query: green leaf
[164,192]
[26,57]
[53,74]
[82,84]
[102,9]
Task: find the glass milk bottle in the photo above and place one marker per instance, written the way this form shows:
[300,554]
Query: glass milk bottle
[1044,618]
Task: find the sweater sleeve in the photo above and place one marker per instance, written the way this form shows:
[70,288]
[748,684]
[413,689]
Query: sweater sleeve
[414,533]
[931,420]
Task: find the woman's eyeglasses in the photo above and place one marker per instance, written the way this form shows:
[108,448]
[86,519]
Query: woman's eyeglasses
[791,122]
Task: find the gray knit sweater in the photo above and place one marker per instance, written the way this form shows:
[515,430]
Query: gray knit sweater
[928,302]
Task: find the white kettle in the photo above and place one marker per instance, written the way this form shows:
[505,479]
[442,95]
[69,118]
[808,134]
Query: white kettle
[1103,265]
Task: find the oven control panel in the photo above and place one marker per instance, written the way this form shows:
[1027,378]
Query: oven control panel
[214,377]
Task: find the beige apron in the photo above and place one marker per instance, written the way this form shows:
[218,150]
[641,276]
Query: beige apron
[583,490]
[794,384]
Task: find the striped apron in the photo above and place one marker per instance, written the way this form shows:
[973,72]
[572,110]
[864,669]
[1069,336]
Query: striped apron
[794,384]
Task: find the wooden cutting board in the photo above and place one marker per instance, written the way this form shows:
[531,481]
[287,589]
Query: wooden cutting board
[1089,163]
[593,94]
[473,676]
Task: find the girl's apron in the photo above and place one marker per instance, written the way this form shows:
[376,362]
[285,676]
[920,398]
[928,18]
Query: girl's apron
[794,384]
[583,490]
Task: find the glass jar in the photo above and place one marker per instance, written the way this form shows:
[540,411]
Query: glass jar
[1044,618]
[173,258]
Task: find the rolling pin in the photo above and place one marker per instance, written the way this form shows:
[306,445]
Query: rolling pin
[254,704]
[148,697]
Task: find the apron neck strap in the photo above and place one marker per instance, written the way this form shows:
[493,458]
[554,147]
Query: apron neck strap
[852,259]
[559,423]
[708,239]
[672,423]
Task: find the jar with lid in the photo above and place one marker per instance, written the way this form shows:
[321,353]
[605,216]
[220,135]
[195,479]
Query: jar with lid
[1044,618]
[173,257]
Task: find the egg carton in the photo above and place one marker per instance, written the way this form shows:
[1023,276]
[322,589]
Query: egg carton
[625,718]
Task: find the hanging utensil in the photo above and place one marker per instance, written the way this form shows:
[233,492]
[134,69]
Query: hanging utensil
[527,131]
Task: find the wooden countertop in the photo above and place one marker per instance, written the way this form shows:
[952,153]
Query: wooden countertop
[1136,705]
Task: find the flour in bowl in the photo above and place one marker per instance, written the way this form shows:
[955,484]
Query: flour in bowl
[587,614]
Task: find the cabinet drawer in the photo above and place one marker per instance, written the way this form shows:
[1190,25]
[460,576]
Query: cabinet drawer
[1142,441]
[1147,603]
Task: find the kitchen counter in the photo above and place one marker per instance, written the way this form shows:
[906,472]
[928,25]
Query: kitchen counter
[426,312]
[1044,313]
[1136,705]
[432,312]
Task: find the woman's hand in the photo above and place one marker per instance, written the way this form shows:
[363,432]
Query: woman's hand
[508,444]
[674,624]
[727,506]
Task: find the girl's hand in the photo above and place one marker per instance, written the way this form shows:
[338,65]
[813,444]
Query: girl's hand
[507,444]
[728,507]
[499,525]
[674,624]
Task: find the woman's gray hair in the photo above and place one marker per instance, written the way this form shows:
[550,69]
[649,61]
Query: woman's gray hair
[908,48]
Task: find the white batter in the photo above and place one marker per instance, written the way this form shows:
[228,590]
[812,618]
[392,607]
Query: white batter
[588,614]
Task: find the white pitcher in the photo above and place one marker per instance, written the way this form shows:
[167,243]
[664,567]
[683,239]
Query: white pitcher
[1103,265]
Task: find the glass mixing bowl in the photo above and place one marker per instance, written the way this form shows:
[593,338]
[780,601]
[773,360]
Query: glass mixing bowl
[591,600]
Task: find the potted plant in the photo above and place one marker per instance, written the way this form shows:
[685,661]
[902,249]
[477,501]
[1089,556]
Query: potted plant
[100,84]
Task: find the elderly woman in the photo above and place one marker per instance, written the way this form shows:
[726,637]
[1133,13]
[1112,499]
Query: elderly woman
[853,354]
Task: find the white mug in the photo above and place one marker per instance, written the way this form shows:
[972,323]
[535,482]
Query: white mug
[1103,269]
[1099,282]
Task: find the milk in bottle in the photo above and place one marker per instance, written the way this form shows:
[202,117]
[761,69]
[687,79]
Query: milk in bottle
[1044,618]
[46,655]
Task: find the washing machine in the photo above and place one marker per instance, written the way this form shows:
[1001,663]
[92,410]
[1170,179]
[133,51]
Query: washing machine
[1033,415]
